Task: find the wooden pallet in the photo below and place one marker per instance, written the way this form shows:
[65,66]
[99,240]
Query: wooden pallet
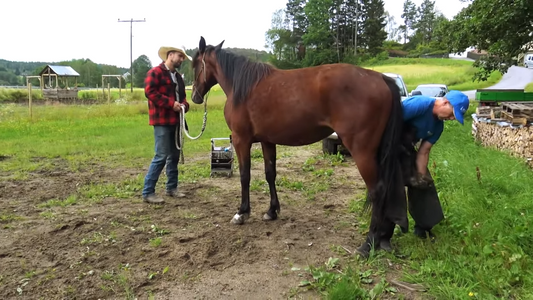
[515,120]
[483,111]
[489,112]
[518,109]
[518,113]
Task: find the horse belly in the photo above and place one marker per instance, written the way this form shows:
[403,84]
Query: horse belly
[295,135]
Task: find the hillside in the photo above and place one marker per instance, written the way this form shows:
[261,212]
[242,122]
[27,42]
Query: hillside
[12,73]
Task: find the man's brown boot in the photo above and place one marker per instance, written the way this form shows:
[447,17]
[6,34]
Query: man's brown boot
[153,199]
[174,193]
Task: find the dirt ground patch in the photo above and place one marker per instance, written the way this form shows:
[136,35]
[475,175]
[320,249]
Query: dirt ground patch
[88,235]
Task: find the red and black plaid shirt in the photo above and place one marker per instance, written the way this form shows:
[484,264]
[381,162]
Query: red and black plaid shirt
[161,93]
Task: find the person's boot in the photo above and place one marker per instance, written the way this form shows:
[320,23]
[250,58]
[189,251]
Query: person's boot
[174,193]
[153,199]
[421,233]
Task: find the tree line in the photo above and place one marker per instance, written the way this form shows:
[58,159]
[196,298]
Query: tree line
[13,73]
[313,32]
[90,72]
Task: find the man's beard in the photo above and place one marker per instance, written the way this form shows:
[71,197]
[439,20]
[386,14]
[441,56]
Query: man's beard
[177,65]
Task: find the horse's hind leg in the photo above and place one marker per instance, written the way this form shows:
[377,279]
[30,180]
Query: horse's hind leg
[269,155]
[242,149]
[380,230]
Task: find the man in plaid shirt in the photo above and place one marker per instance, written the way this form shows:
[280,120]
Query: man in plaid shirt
[165,90]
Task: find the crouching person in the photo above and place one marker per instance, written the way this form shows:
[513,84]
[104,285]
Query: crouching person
[423,124]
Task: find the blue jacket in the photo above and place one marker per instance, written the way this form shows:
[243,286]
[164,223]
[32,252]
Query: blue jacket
[418,111]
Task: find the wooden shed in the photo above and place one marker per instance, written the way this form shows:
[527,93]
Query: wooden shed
[55,83]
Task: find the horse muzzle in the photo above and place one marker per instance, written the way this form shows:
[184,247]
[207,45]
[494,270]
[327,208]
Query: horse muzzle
[197,98]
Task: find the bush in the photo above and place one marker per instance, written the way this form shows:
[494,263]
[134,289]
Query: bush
[397,53]
[19,94]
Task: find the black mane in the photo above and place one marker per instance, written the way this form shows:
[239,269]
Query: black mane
[242,73]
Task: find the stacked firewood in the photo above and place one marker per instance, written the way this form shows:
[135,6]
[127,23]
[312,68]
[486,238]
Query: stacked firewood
[516,140]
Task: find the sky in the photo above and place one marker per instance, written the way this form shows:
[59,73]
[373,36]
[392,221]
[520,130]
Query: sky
[57,30]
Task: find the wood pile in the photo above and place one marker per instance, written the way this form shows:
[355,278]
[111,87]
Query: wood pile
[516,113]
[516,140]
[490,112]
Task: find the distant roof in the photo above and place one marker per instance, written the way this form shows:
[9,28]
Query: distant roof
[60,71]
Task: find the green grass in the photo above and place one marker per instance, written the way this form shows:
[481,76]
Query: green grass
[98,96]
[84,133]
[485,243]
[483,248]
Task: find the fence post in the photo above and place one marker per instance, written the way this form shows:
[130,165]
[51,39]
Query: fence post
[29,100]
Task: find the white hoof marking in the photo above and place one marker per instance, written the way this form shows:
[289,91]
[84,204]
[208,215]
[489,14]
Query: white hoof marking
[239,219]
[266,217]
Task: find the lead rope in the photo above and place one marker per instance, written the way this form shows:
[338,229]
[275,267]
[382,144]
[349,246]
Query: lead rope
[178,138]
[178,133]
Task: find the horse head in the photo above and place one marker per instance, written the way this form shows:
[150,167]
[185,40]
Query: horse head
[204,65]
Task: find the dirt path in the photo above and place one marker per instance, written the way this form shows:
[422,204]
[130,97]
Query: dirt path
[100,241]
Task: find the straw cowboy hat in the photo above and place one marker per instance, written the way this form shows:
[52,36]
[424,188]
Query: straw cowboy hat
[164,50]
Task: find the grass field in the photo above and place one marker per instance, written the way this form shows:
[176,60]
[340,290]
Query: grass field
[457,74]
[74,225]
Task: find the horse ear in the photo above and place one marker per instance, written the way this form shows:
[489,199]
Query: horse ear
[219,46]
[202,44]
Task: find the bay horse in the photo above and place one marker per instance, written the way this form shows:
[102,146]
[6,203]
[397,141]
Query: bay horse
[303,106]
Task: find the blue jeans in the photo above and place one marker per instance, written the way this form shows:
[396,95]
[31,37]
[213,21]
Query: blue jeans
[165,153]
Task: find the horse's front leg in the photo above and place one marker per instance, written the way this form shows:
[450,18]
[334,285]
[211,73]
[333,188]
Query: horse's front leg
[242,149]
[269,155]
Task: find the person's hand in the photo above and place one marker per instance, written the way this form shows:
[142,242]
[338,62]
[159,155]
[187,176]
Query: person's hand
[421,181]
[427,180]
[176,107]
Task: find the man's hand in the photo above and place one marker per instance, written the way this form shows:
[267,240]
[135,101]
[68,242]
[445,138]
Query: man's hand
[176,107]
[421,181]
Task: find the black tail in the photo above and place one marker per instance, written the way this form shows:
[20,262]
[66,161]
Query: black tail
[389,169]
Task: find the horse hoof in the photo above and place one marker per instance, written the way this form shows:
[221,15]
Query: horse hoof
[267,217]
[363,251]
[239,219]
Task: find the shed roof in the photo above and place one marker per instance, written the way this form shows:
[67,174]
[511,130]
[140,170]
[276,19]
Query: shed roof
[60,71]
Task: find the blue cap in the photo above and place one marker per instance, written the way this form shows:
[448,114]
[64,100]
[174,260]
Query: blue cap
[460,104]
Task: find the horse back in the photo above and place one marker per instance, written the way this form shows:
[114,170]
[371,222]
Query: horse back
[310,100]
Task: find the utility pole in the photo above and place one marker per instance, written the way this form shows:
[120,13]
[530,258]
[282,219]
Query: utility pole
[131,47]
